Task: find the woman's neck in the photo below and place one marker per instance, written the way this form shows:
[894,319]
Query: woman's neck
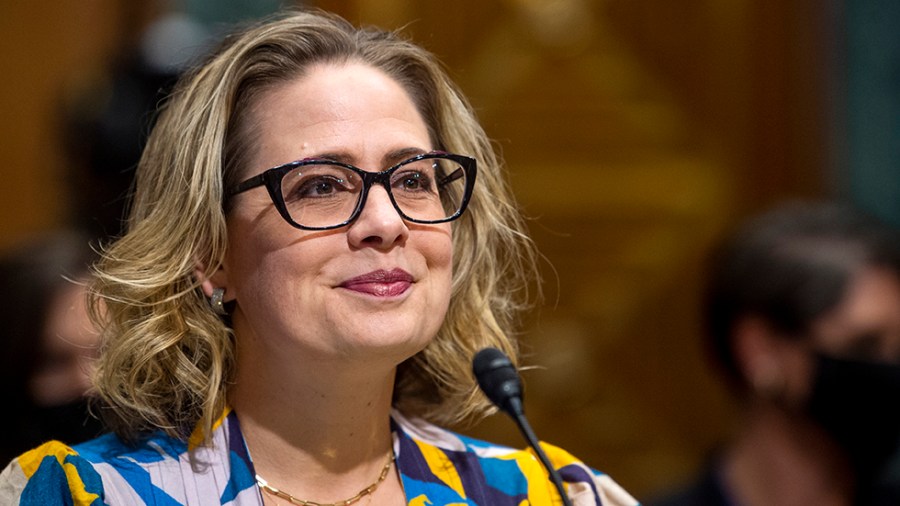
[321,434]
[780,459]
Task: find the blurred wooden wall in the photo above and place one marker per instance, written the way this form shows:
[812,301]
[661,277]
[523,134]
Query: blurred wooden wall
[49,53]
[41,50]
[635,132]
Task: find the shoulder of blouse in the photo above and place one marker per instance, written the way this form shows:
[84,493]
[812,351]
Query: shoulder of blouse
[431,457]
[160,469]
[51,474]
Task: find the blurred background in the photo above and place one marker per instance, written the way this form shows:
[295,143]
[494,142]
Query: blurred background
[636,132]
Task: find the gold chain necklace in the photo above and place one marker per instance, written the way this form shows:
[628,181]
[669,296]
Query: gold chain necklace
[264,486]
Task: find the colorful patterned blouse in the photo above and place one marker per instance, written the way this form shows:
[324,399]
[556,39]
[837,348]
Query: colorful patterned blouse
[436,466]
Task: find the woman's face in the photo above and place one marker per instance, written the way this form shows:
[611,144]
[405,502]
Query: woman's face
[376,289]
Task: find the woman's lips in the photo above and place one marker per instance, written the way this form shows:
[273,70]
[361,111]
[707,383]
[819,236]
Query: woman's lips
[380,283]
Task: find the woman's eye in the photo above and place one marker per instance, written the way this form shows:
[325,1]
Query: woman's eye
[316,187]
[321,187]
[412,181]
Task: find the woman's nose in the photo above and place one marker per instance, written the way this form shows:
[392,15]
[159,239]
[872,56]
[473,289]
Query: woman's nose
[379,224]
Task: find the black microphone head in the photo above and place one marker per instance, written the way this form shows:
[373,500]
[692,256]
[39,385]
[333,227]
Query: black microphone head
[498,379]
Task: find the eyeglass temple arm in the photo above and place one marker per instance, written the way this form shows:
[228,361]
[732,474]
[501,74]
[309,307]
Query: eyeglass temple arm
[453,176]
[253,182]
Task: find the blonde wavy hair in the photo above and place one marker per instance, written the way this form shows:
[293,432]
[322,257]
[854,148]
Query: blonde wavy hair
[167,359]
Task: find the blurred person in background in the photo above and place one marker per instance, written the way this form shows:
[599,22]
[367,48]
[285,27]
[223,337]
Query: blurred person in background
[803,315]
[107,115]
[48,343]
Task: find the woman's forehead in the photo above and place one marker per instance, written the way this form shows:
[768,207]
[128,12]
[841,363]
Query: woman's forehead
[352,110]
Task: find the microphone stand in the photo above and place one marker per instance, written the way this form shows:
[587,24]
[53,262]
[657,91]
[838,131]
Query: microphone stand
[517,413]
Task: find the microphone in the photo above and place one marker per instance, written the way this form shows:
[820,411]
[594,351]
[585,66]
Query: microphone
[500,382]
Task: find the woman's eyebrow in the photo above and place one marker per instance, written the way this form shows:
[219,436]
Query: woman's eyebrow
[399,155]
[389,159]
[332,156]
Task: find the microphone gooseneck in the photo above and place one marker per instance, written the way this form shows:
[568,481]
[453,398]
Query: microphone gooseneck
[498,379]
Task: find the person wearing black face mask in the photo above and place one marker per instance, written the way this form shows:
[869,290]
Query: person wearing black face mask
[803,316]
[47,343]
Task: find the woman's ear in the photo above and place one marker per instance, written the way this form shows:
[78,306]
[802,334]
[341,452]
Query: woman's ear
[209,282]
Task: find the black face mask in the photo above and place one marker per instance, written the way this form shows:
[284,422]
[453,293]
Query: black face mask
[858,404]
[70,423]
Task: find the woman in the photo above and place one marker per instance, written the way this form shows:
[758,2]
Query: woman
[289,335]
[803,313]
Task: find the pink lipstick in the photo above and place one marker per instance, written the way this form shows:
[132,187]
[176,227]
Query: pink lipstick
[380,283]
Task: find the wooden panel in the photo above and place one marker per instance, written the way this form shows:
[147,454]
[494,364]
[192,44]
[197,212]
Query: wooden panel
[44,53]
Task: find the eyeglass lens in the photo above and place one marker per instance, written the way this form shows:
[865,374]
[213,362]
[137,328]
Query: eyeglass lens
[322,194]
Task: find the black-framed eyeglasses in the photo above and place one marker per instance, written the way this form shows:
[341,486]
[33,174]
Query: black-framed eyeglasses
[318,194]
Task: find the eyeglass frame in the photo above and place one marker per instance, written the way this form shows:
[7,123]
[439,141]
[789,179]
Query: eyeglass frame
[272,178]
